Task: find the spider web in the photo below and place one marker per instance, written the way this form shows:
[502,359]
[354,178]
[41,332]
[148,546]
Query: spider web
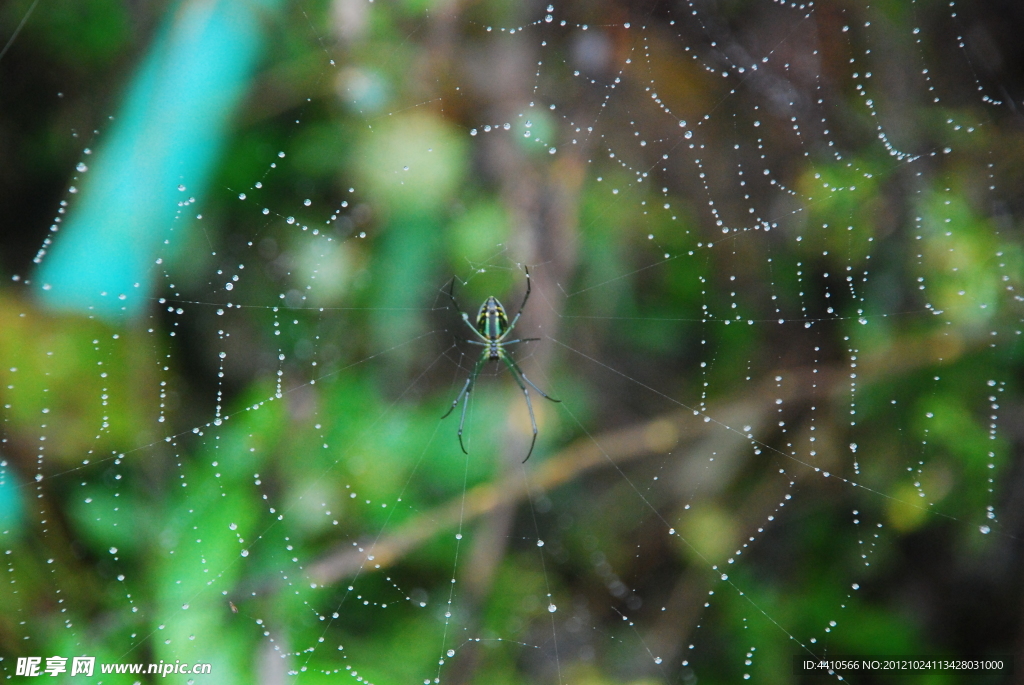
[774,266]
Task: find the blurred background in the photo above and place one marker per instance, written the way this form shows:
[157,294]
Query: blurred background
[775,255]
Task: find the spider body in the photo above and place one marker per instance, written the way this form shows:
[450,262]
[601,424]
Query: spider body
[492,324]
[492,328]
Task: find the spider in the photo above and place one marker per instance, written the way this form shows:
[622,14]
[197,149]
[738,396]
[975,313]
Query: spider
[492,327]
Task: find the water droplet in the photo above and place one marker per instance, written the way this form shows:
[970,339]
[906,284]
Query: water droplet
[552,608]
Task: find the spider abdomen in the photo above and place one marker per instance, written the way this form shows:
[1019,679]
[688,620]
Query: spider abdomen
[492,322]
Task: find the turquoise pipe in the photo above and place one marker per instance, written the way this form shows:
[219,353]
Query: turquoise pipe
[169,133]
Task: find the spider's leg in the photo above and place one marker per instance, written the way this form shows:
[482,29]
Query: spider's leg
[527,296]
[513,365]
[526,393]
[468,387]
[451,294]
[457,399]
[516,319]
[509,342]
[464,315]
[462,422]
[464,395]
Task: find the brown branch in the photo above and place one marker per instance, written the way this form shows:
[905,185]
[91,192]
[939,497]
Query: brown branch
[612,448]
[651,437]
